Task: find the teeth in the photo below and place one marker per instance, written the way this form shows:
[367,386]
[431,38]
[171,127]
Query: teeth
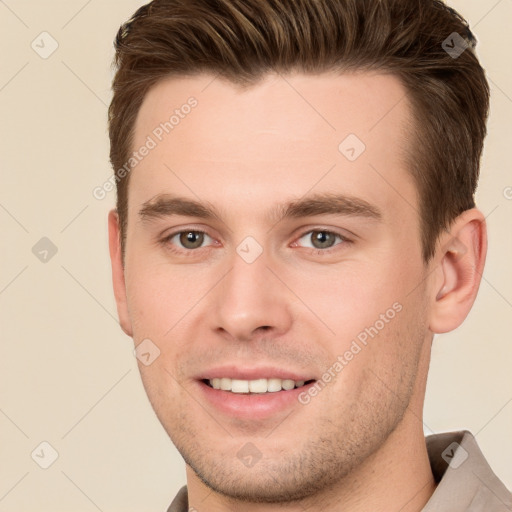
[239,386]
[254,386]
[274,385]
[257,386]
[288,384]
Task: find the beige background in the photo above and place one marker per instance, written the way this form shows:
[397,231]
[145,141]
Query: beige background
[67,372]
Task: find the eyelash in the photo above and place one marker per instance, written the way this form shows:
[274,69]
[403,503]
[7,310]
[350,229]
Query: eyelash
[191,252]
[166,242]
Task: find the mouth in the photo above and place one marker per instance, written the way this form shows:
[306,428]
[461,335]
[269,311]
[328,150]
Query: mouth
[253,400]
[255,386]
[246,392]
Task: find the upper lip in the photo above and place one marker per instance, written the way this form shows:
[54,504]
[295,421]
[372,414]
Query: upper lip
[253,372]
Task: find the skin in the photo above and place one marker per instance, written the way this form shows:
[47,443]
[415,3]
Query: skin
[296,306]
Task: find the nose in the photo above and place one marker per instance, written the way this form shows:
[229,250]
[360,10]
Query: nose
[250,300]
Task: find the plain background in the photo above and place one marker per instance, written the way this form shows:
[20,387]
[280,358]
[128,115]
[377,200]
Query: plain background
[67,372]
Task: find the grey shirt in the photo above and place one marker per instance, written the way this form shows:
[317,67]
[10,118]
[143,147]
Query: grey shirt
[466,483]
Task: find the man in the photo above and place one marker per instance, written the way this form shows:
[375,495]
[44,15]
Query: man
[295,221]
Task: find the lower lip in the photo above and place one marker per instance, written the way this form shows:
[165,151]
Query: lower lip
[254,405]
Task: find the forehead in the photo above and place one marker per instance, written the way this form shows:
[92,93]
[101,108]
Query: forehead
[284,132]
[302,107]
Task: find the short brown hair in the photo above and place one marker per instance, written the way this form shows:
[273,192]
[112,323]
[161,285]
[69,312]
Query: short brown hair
[242,40]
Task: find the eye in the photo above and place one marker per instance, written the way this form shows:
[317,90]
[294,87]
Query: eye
[321,239]
[190,239]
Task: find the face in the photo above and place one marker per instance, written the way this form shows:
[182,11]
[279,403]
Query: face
[267,247]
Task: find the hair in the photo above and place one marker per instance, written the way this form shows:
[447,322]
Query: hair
[243,40]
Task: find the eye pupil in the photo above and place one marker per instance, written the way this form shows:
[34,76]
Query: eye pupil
[323,239]
[192,239]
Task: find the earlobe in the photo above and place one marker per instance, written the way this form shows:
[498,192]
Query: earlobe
[461,257]
[118,278]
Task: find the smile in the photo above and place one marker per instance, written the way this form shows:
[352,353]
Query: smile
[271,385]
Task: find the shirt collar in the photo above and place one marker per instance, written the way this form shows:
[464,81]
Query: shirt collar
[466,483]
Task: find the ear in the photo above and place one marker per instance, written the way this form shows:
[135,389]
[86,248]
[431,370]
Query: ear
[460,259]
[116,260]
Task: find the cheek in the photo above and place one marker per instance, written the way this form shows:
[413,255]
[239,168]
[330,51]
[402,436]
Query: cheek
[350,297]
[147,307]
[158,298]
[379,365]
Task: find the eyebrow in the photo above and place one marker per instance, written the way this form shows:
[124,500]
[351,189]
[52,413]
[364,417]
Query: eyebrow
[167,205]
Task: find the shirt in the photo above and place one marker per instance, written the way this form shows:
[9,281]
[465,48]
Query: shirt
[466,483]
